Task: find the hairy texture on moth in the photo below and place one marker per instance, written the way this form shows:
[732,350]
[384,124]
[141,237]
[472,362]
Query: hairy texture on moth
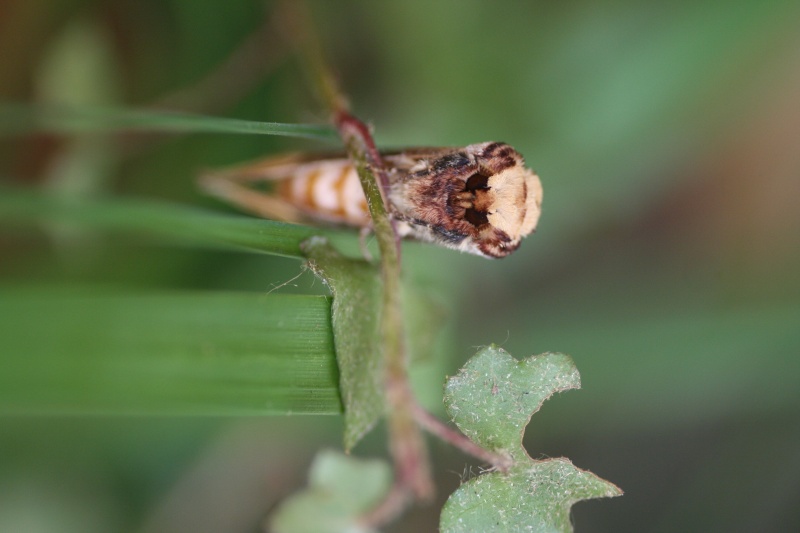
[479,199]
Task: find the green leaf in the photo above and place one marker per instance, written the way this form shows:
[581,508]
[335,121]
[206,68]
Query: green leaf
[341,490]
[530,497]
[91,351]
[184,224]
[19,119]
[493,397]
[356,307]
[491,400]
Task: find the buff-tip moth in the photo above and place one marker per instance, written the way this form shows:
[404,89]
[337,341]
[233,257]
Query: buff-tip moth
[479,199]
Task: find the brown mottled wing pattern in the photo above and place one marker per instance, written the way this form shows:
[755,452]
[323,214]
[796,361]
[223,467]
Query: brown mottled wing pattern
[448,195]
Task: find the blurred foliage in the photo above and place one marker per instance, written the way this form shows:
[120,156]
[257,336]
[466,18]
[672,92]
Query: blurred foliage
[341,489]
[665,263]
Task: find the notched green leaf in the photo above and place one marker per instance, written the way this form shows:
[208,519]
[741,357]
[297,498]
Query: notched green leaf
[354,315]
[536,496]
[493,396]
[491,400]
[341,490]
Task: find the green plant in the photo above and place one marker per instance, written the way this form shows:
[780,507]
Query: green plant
[365,328]
[79,352]
[665,263]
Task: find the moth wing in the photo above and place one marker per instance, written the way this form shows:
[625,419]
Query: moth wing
[420,152]
[411,157]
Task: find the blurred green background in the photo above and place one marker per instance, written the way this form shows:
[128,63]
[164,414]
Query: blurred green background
[667,260]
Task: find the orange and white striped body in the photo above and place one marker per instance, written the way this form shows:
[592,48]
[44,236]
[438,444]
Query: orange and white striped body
[328,190]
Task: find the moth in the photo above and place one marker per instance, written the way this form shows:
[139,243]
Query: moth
[480,199]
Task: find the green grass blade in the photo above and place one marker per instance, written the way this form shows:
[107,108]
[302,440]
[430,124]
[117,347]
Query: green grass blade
[159,219]
[21,119]
[93,352]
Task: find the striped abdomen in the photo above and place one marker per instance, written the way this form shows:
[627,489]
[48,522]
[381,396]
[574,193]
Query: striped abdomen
[328,190]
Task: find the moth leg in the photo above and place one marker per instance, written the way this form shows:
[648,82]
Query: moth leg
[225,187]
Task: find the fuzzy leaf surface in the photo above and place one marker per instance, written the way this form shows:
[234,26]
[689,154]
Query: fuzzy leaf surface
[354,316]
[493,396]
[341,489]
[491,400]
[536,496]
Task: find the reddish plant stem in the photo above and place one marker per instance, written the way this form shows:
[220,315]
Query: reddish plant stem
[404,415]
[388,509]
[406,442]
[351,128]
[457,439]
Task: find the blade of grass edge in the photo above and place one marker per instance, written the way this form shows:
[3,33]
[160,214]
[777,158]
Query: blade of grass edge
[23,119]
[90,351]
[159,219]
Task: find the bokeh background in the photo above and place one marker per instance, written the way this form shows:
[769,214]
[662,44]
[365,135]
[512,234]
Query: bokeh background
[666,263]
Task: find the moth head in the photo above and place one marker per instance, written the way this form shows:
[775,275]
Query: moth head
[479,199]
[500,200]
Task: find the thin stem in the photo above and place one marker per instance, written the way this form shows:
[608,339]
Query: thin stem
[388,509]
[457,439]
[248,64]
[406,442]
